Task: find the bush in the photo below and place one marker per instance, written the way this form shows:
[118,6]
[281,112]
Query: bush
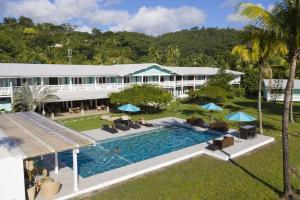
[144,96]
[209,93]
[237,91]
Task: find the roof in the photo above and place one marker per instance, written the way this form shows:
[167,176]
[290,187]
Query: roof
[64,70]
[34,135]
[282,82]
[77,95]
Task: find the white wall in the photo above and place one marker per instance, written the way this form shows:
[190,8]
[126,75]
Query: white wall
[12,179]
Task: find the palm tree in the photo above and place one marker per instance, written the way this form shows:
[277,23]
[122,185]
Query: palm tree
[259,49]
[173,55]
[155,54]
[284,23]
[28,98]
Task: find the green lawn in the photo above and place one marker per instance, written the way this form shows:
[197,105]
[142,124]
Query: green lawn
[255,176]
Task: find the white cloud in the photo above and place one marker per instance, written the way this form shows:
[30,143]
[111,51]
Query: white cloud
[84,28]
[270,7]
[230,3]
[159,20]
[89,13]
[107,17]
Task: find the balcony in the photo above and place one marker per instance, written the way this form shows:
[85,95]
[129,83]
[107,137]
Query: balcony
[6,91]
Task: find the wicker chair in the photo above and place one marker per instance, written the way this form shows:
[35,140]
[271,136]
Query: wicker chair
[219,126]
[194,121]
[226,142]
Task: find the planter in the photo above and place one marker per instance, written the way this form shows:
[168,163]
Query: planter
[31,193]
[50,189]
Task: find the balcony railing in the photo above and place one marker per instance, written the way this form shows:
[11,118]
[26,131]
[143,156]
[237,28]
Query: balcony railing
[6,91]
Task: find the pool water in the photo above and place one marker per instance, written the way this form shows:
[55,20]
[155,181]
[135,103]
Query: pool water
[115,153]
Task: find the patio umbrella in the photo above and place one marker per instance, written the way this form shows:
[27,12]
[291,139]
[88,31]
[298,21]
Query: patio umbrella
[129,108]
[211,107]
[240,117]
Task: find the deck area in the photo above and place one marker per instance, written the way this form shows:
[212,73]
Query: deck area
[109,178]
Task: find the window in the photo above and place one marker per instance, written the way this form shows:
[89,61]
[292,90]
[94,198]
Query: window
[200,77]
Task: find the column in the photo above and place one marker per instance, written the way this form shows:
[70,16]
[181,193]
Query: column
[96,103]
[71,104]
[75,170]
[91,103]
[158,79]
[95,82]
[123,84]
[181,85]
[175,86]
[71,84]
[56,162]
[44,112]
[194,82]
[67,104]
[11,93]
[142,79]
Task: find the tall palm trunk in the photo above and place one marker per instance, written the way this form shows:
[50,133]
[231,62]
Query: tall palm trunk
[291,106]
[260,120]
[285,122]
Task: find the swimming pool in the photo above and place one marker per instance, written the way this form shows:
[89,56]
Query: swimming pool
[115,153]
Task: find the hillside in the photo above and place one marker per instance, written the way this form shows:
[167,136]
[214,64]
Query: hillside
[23,41]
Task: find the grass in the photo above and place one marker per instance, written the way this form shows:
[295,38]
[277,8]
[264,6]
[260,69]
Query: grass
[255,176]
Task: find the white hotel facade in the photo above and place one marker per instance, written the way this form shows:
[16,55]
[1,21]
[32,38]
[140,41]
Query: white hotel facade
[93,83]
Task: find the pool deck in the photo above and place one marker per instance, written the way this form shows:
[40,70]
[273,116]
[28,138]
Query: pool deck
[102,180]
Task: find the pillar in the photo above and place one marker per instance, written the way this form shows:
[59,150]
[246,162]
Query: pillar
[11,93]
[75,170]
[71,104]
[181,85]
[123,84]
[71,84]
[56,162]
[175,86]
[44,112]
[95,82]
[194,82]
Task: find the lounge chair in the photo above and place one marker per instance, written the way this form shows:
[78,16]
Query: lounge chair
[141,121]
[219,126]
[122,127]
[227,141]
[133,125]
[194,121]
[107,128]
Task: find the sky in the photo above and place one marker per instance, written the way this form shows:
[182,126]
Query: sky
[152,17]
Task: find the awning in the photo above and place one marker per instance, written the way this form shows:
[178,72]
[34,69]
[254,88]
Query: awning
[35,135]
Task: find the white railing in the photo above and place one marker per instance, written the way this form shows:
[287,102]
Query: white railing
[5,91]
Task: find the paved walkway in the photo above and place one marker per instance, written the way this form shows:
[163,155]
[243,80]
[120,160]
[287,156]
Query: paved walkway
[108,178]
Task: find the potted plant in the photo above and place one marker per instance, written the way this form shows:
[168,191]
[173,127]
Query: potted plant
[29,166]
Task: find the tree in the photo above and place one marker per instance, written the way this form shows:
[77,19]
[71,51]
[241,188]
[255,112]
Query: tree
[208,93]
[143,95]
[259,48]
[155,54]
[25,21]
[284,23]
[9,20]
[28,98]
[173,56]
[221,79]
[250,81]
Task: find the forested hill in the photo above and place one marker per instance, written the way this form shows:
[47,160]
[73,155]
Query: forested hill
[22,41]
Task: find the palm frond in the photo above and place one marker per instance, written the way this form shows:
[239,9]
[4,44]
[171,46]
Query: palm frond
[259,17]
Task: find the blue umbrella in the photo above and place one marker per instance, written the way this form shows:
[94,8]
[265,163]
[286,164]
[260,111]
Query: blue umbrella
[211,107]
[240,117]
[129,108]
